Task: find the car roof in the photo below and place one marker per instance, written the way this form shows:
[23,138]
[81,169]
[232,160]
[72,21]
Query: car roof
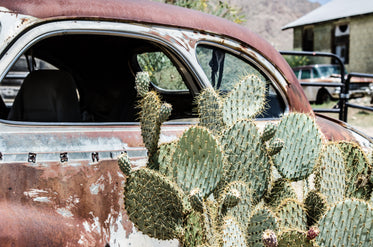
[144,11]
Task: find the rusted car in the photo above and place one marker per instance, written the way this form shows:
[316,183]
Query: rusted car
[60,136]
[329,73]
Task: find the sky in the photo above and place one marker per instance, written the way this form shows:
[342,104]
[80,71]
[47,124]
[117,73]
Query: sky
[320,1]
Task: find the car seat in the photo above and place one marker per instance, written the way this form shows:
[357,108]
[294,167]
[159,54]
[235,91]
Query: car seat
[46,96]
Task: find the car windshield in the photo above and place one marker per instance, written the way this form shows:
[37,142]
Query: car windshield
[326,71]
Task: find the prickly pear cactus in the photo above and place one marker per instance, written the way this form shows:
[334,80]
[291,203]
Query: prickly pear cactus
[232,234]
[150,106]
[245,101]
[281,189]
[247,157]
[242,210]
[142,82]
[154,204]
[302,141]
[210,110]
[125,164]
[348,223]
[330,173]
[358,171]
[268,132]
[198,164]
[316,205]
[260,220]
[294,237]
[292,214]
[194,235]
[164,155]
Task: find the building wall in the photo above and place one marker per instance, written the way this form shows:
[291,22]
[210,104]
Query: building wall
[361,44]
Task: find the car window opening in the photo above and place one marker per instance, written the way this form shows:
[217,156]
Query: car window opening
[88,78]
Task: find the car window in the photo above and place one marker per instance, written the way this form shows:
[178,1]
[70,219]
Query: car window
[315,73]
[94,82]
[306,74]
[224,70]
[163,73]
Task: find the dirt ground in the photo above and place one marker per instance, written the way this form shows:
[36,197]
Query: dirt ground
[360,119]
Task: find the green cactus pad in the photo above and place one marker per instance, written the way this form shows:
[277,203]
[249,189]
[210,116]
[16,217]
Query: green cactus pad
[242,210]
[302,146]
[245,101]
[348,223]
[154,204]
[232,234]
[210,110]
[124,164]
[294,237]
[164,156]
[330,173]
[358,171]
[275,146]
[194,232]
[268,132]
[149,121]
[247,158]
[198,161]
[281,189]
[196,199]
[261,219]
[165,112]
[142,83]
[316,205]
[292,214]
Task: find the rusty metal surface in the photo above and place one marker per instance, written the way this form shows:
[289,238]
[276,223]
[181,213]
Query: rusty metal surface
[139,11]
[78,202]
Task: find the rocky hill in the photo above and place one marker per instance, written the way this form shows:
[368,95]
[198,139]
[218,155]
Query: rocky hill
[267,17]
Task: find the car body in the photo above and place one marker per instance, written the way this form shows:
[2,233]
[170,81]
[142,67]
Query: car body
[319,73]
[60,182]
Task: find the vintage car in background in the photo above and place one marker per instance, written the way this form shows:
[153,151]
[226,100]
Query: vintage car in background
[319,73]
[60,136]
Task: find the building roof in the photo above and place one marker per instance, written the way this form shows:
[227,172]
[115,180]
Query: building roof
[334,10]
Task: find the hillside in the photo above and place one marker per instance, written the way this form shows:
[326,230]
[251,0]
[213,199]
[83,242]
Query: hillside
[268,17]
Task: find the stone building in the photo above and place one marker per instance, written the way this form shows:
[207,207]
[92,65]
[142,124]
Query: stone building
[343,27]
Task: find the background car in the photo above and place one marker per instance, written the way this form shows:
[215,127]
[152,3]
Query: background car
[316,73]
[60,138]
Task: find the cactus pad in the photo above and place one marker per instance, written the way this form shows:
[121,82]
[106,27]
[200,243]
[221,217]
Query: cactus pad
[268,132]
[210,110]
[358,171]
[281,189]
[292,214]
[198,161]
[261,219]
[196,200]
[194,232]
[330,173]
[245,101]
[232,234]
[164,155]
[154,204]
[293,237]
[124,164]
[242,210]
[302,146]
[316,205]
[348,223]
[142,83]
[248,160]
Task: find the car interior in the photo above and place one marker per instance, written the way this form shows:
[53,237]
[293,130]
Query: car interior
[91,78]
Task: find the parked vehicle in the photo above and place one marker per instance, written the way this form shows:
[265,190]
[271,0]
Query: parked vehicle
[60,184]
[316,73]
